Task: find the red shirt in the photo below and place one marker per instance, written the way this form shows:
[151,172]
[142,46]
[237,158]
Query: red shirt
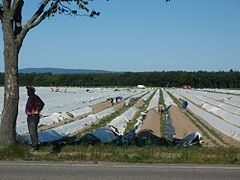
[34,105]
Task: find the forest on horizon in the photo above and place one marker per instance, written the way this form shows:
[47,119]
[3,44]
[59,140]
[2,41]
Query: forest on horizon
[200,79]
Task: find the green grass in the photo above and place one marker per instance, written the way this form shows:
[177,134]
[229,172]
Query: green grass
[113,153]
[162,119]
[16,151]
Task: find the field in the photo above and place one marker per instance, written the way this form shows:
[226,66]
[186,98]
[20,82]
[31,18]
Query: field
[215,114]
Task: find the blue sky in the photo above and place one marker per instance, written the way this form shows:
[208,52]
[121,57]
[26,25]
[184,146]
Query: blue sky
[138,35]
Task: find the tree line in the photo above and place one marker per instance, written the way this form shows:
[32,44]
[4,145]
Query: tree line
[200,79]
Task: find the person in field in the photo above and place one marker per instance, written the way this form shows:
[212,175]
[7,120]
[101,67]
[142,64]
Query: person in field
[184,105]
[33,108]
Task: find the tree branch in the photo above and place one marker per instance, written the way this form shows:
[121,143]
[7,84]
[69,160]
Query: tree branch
[38,13]
[17,16]
[82,4]
[43,14]
[37,18]
[56,6]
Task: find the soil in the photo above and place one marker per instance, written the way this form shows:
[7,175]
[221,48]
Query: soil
[152,122]
[119,105]
[184,126]
[100,106]
[181,122]
[140,103]
[104,105]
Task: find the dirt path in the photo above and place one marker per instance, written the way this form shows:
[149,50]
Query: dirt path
[100,106]
[187,124]
[184,126]
[152,122]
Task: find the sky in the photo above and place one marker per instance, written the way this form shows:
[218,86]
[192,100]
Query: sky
[137,36]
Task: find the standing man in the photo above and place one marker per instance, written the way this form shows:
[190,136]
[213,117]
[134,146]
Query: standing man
[33,107]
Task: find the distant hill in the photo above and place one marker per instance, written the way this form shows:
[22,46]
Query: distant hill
[61,71]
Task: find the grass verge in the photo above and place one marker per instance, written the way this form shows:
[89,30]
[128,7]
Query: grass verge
[112,153]
[162,119]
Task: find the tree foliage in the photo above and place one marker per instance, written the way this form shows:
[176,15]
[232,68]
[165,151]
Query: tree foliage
[200,79]
[47,8]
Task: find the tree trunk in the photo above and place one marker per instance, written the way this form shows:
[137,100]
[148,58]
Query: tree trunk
[11,91]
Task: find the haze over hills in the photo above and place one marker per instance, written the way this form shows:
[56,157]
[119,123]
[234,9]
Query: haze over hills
[61,71]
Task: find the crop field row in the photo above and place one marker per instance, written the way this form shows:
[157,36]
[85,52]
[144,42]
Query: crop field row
[68,111]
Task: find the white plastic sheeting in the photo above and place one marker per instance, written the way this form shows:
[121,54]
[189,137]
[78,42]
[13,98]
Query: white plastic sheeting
[54,118]
[219,103]
[74,98]
[135,96]
[66,101]
[215,121]
[80,112]
[70,128]
[117,126]
[63,131]
[67,129]
[145,97]
[61,102]
[154,101]
[120,123]
[105,112]
[129,114]
[167,99]
[231,99]
[229,117]
[57,133]
[227,112]
[140,121]
[226,91]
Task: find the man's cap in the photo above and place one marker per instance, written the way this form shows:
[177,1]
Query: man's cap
[30,88]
